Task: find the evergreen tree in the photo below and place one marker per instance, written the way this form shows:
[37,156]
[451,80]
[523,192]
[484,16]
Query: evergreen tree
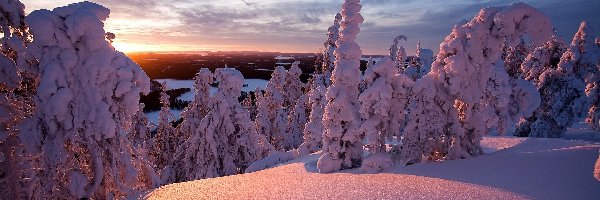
[313,130]
[271,119]
[166,139]
[198,108]
[379,102]
[586,64]
[542,58]
[449,117]
[513,57]
[228,142]
[398,53]
[562,89]
[296,122]
[295,105]
[86,99]
[330,46]
[342,139]
[17,89]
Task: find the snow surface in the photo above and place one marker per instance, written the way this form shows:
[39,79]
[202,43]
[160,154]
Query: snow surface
[513,168]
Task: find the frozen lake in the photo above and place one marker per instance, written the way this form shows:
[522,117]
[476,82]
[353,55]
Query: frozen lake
[249,85]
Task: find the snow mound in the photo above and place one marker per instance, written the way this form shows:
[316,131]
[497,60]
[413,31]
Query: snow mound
[272,160]
[515,168]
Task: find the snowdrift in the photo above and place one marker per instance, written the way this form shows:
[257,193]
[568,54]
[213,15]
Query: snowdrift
[513,168]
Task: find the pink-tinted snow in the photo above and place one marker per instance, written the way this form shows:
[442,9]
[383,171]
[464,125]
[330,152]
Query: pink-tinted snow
[527,169]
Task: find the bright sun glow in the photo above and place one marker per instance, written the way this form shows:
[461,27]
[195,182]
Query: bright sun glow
[129,47]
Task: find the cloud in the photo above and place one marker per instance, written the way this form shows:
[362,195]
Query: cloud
[301,25]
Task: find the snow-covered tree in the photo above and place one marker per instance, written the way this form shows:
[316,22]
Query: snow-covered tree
[198,108]
[447,121]
[295,104]
[562,89]
[513,57]
[166,139]
[370,62]
[563,102]
[297,119]
[597,168]
[506,101]
[425,58]
[17,86]
[342,139]
[398,53]
[140,135]
[250,105]
[413,68]
[586,54]
[542,58]
[86,99]
[271,118]
[593,92]
[228,142]
[313,130]
[380,108]
[330,46]
[585,62]
[420,64]
[293,86]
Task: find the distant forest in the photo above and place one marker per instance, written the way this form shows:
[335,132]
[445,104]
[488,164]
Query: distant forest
[253,65]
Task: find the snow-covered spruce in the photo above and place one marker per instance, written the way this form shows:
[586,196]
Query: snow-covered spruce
[330,46]
[563,102]
[342,139]
[139,134]
[228,142]
[513,57]
[382,108]
[86,98]
[419,65]
[166,139]
[250,104]
[425,58]
[413,68]
[542,58]
[293,86]
[271,118]
[585,62]
[313,130]
[597,168]
[198,108]
[17,76]
[297,120]
[562,89]
[11,42]
[295,104]
[431,120]
[447,121]
[398,54]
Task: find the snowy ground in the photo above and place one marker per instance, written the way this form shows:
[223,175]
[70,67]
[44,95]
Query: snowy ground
[581,131]
[513,168]
[249,85]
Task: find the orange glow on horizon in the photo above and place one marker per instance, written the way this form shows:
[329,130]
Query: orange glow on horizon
[127,47]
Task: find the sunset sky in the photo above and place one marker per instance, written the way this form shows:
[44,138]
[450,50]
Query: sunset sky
[300,25]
